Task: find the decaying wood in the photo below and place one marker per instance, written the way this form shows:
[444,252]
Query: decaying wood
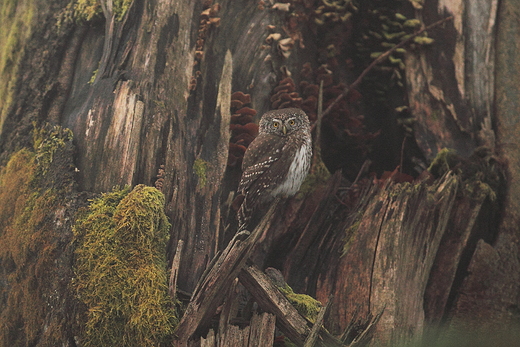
[212,289]
[209,340]
[451,94]
[408,240]
[270,299]
[489,273]
[262,330]
[459,240]
[172,286]
[359,333]
[229,310]
[310,341]
[260,333]
[235,336]
[382,257]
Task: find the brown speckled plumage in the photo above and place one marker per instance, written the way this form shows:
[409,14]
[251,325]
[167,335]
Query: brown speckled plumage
[277,161]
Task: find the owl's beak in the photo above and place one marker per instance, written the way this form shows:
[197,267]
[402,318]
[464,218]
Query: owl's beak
[284,129]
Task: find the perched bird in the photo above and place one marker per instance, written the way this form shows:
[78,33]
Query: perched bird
[277,160]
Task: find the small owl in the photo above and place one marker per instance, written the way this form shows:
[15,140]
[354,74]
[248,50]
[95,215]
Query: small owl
[277,161]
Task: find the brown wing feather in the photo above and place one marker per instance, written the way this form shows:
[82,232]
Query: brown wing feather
[265,166]
[260,155]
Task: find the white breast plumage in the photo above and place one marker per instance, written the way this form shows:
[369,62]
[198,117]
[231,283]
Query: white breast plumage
[297,172]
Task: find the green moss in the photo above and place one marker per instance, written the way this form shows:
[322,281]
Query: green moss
[120,8]
[29,200]
[15,28]
[200,168]
[479,189]
[120,269]
[306,305]
[444,161]
[382,27]
[46,142]
[93,78]
[87,10]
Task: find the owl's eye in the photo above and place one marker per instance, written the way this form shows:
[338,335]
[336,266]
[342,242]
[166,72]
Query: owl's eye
[291,122]
[276,124]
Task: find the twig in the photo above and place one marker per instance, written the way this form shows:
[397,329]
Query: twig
[379,60]
[402,155]
[176,263]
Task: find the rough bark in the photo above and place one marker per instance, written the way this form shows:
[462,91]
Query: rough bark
[148,98]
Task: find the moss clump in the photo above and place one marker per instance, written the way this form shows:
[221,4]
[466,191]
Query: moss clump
[32,201]
[46,142]
[306,305]
[200,168]
[88,10]
[120,8]
[480,173]
[15,28]
[120,269]
[445,160]
[93,78]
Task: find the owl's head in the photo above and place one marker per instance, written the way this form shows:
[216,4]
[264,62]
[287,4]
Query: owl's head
[284,122]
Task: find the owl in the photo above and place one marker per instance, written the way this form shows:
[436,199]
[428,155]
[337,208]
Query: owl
[276,162]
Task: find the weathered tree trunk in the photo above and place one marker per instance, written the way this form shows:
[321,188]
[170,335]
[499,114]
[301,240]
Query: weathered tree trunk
[165,93]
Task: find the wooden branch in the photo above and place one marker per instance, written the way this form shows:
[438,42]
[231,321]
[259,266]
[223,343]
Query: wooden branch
[226,313]
[172,287]
[236,337]
[310,341]
[213,288]
[262,330]
[379,59]
[209,341]
[270,299]
[366,335]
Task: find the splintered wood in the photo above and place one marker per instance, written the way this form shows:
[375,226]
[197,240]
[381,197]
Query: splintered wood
[215,283]
[398,229]
[219,283]
[260,333]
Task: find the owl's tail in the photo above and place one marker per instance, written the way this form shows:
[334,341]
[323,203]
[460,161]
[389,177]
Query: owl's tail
[244,214]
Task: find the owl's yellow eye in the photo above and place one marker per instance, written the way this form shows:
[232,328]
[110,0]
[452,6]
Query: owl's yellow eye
[291,122]
[276,124]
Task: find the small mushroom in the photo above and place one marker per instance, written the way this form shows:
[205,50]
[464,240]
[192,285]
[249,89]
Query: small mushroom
[215,21]
[245,98]
[282,6]
[285,46]
[247,110]
[236,104]
[273,37]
